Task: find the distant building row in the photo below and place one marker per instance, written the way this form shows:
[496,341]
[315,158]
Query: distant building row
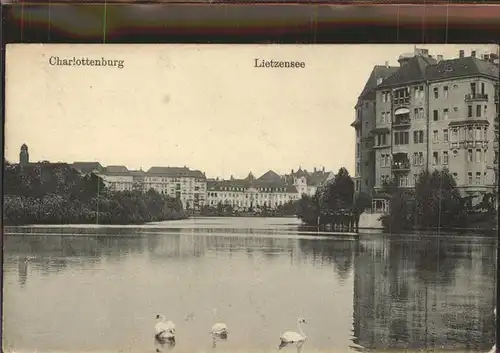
[427,114]
[195,190]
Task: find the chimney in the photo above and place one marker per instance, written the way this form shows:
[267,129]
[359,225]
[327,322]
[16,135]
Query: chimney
[461,54]
[473,53]
[439,58]
[387,64]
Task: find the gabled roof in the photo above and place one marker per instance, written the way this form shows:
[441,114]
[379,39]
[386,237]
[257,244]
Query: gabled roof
[412,72]
[460,67]
[379,71]
[270,175]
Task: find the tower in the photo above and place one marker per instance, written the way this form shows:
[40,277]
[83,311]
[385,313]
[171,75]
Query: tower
[24,156]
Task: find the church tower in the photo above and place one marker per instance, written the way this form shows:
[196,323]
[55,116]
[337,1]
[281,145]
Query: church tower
[24,156]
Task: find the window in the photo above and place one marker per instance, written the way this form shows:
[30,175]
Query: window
[418,158]
[454,135]
[403,180]
[445,135]
[401,138]
[478,178]
[445,157]
[485,178]
[415,112]
[415,136]
[421,136]
[445,91]
[462,134]
[445,114]
[469,155]
[469,111]
[415,179]
[470,135]
[435,158]
[382,117]
[473,88]
[478,133]
[417,93]
[436,93]
[482,87]
[485,111]
[485,134]
[478,156]
[435,115]
[469,177]
[421,113]
[435,136]
[478,111]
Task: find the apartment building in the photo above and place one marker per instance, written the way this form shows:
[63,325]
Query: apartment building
[187,185]
[433,114]
[363,124]
[269,190]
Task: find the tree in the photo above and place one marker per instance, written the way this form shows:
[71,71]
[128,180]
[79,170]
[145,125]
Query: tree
[401,212]
[338,194]
[438,201]
[308,209]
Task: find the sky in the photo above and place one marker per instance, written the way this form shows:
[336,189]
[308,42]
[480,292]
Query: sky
[202,106]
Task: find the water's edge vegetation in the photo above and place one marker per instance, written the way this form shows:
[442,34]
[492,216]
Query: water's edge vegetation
[60,195]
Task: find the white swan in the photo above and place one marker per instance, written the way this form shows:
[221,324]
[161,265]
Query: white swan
[291,337]
[219,330]
[164,330]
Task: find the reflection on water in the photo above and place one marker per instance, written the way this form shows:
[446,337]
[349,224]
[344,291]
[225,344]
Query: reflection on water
[98,289]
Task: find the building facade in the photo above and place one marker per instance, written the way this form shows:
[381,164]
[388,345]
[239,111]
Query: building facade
[270,191]
[432,114]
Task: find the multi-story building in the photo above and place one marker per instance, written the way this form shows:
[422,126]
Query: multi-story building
[434,114]
[270,190]
[364,123]
[308,182]
[187,185]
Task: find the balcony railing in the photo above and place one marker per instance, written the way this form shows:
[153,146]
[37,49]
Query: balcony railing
[476,97]
[400,166]
[402,101]
[401,123]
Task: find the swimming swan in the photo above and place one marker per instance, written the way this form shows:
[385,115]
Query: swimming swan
[164,330]
[291,337]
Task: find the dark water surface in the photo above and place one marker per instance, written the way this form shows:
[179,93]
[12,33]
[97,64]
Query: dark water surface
[70,289]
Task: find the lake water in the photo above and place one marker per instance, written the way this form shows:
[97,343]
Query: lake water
[98,289]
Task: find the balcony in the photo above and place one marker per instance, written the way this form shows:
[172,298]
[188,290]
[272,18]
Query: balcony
[401,123]
[401,166]
[400,163]
[401,101]
[475,97]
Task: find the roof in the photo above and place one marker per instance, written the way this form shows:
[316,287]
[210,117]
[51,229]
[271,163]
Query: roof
[270,175]
[318,178]
[455,68]
[116,170]
[138,173]
[379,71]
[87,167]
[175,172]
[411,72]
